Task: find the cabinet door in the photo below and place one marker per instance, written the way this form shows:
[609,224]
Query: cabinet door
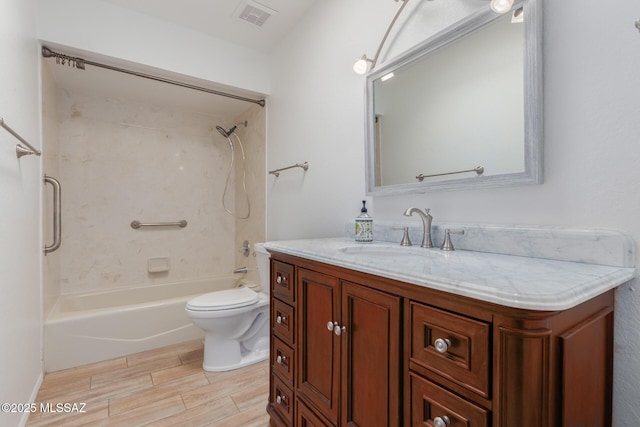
[370,366]
[318,350]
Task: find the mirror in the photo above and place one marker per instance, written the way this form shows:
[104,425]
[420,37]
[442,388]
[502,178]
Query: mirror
[462,110]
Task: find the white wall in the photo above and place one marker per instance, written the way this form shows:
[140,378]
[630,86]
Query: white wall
[99,27]
[20,183]
[592,155]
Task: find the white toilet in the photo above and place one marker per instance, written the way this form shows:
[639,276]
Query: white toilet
[235,322]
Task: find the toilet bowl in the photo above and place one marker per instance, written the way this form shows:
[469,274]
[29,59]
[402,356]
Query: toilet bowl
[235,322]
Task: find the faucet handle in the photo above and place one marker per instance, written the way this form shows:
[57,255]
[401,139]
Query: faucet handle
[405,238]
[447,245]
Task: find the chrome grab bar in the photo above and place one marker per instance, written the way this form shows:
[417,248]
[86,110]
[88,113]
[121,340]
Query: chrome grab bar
[304,166]
[20,149]
[57,214]
[137,224]
[478,170]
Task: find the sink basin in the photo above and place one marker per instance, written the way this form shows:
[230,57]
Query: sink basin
[387,250]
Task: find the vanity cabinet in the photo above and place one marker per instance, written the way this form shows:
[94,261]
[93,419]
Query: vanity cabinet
[353,349]
[348,350]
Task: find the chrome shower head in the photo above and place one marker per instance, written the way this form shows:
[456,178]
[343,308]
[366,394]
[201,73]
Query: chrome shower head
[225,133]
[228,133]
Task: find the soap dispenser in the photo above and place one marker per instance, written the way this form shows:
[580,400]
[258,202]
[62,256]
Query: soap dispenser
[364,225]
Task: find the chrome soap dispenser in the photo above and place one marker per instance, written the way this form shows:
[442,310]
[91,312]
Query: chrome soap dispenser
[364,225]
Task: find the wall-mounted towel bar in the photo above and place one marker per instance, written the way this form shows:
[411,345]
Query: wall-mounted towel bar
[304,166]
[479,170]
[57,215]
[20,150]
[137,224]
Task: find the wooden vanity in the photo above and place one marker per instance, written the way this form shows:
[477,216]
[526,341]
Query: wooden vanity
[350,348]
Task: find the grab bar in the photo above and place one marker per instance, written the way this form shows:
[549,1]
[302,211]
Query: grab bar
[20,150]
[137,224]
[478,170]
[304,166]
[57,217]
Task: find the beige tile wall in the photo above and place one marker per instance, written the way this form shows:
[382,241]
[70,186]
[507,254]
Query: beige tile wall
[122,161]
[253,228]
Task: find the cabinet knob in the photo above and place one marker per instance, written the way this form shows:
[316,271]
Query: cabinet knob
[442,345]
[281,280]
[442,421]
[281,359]
[330,325]
[281,319]
[339,330]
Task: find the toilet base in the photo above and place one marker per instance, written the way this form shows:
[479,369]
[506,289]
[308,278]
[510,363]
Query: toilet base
[226,355]
[246,360]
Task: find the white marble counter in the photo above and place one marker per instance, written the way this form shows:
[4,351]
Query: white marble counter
[513,281]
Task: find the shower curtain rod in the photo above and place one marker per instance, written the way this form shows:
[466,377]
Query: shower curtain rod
[80,63]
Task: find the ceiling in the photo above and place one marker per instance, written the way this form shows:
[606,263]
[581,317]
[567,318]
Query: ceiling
[217,18]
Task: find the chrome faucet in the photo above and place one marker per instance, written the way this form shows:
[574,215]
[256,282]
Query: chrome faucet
[426,225]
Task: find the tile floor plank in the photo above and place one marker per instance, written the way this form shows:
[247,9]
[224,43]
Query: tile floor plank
[161,387]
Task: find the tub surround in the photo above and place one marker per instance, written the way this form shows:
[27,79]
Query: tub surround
[552,269]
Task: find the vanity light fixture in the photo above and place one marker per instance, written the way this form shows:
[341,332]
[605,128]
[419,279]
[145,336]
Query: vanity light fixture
[501,6]
[365,64]
[518,16]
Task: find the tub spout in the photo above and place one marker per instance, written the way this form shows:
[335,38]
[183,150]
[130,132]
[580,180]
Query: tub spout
[240,270]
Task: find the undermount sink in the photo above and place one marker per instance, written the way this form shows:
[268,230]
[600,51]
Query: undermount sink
[387,250]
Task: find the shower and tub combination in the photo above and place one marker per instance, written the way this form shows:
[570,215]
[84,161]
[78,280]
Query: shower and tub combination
[230,313]
[118,286]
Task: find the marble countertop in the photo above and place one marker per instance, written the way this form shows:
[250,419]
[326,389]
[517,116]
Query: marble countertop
[513,281]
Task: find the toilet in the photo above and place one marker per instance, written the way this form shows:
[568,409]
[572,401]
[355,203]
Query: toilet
[235,321]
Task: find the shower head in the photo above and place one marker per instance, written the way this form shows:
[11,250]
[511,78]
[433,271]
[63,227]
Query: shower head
[228,133]
[225,133]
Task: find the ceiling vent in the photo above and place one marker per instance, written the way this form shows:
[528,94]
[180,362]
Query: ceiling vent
[254,13]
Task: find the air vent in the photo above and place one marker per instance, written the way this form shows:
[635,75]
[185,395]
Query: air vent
[255,13]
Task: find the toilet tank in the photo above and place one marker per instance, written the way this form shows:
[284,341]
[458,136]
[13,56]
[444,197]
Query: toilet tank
[264,269]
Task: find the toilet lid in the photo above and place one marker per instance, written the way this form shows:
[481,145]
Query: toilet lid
[224,300]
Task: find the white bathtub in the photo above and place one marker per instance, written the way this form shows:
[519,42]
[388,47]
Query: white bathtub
[88,328]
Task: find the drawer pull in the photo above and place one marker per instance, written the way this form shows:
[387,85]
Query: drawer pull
[282,400]
[442,345]
[281,319]
[331,325]
[281,280]
[281,359]
[442,421]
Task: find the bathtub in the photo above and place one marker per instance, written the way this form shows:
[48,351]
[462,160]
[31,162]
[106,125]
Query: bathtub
[88,328]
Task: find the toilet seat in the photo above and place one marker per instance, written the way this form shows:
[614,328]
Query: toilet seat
[224,300]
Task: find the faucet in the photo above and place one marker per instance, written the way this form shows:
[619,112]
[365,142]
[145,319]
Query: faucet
[426,225]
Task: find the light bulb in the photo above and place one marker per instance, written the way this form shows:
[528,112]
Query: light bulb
[361,65]
[386,77]
[501,6]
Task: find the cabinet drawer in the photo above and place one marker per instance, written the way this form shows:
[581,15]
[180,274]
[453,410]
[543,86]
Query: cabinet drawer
[452,346]
[283,361]
[429,401]
[305,417]
[282,281]
[282,320]
[282,399]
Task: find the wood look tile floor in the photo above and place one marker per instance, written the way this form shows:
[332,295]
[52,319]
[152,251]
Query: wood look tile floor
[161,387]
